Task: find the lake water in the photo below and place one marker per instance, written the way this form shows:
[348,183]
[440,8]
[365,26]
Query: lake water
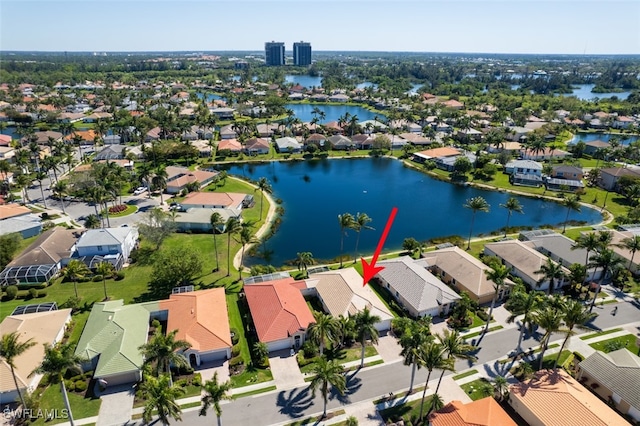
[583,92]
[333,112]
[588,137]
[210,96]
[304,80]
[315,192]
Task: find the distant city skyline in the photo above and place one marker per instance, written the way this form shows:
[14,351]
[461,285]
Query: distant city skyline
[589,27]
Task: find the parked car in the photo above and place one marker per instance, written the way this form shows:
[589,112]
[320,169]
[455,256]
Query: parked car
[139,190]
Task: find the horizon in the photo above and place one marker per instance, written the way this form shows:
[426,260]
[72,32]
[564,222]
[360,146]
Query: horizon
[516,27]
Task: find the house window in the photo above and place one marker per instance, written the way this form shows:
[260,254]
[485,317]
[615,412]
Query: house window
[397,294]
[99,248]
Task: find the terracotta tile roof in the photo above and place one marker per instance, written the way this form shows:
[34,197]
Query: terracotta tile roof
[49,248]
[553,397]
[278,309]
[483,412]
[440,152]
[13,210]
[200,317]
[86,135]
[230,144]
[5,140]
[224,199]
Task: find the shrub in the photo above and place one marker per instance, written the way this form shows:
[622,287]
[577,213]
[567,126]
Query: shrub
[236,361]
[119,275]
[33,293]
[80,386]
[182,383]
[70,385]
[84,279]
[482,314]
[309,349]
[45,216]
[12,292]
[97,278]
[117,209]
[235,351]
[42,293]
[197,380]
[235,337]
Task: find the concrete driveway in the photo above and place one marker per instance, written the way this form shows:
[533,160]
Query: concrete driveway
[388,348]
[286,372]
[117,405]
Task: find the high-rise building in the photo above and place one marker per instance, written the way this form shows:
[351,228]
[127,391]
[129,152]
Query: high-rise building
[274,53]
[302,54]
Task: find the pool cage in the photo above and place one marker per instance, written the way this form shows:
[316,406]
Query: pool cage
[28,274]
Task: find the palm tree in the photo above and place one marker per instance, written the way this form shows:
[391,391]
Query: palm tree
[476,204]
[435,403]
[366,329]
[550,319]
[346,221]
[497,274]
[59,189]
[327,373]
[522,302]
[360,222]
[161,396]
[571,203]
[56,361]
[575,315]
[633,245]
[500,388]
[263,186]
[454,348]
[414,336]
[164,351]
[512,205]
[244,237]
[10,349]
[608,261]
[233,227]
[551,271]
[303,260]
[215,220]
[159,181]
[326,328]
[104,269]
[214,392]
[75,270]
[432,357]
[40,176]
[589,242]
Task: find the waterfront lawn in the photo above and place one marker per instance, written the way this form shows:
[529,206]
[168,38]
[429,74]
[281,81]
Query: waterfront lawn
[628,341]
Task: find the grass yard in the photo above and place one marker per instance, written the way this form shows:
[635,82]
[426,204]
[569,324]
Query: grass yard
[477,333]
[628,341]
[342,356]
[478,389]
[254,392]
[129,210]
[81,407]
[600,333]
[465,374]
[251,376]
[407,411]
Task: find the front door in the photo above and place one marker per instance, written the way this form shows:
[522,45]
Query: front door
[296,340]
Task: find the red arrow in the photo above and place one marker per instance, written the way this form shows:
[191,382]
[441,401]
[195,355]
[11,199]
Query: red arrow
[370,270]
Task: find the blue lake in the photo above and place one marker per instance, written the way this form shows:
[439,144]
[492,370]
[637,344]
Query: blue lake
[210,96]
[333,112]
[583,92]
[315,192]
[304,80]
[588,137]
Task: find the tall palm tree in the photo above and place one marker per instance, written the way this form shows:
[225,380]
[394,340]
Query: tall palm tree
[523,302]
[161,396]
[497,275]
[476,204]
[59,189]
[244,237]
[589,242]
[571,203]
[345,221]
[414,336]
[550,319]
[163,350]
[608,261]
[432,357]
[75,270]
[575,315]
[633,245]
[551,271]
[213,393]
[40,176]
[326,328]
[233,227]
[104,269]
[512,205]
[263,186]
[10,349]
[366,329]
[159,181]
[215,220]
[56,361]
[500,388]
[359,223]
[435,403]
[454,348]
[327,373]
[303,260]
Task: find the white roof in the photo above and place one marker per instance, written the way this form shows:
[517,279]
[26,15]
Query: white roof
[104,237]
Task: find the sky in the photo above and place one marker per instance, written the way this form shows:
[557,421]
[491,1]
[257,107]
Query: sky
[474,26]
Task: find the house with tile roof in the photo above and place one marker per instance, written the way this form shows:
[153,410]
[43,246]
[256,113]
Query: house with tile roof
[217,200]
[256,146]
[111,338]
[43,328]
[632,262]
[200,318]
[342,294]
[198,219]
[288,144]
[614,377]
[415,288]
[341,142]
[180,180]
[609,176]
[464,272]
[554,398]
[483,412]
[436,153]
[280,314]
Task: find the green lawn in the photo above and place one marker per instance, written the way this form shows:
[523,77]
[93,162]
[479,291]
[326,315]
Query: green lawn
[477,333]
[81,407]
[478,389]
[343,356]
[251,376]
[407,411]
[627,341]
[600,333]
[129,210]
[254,392]
[465,374]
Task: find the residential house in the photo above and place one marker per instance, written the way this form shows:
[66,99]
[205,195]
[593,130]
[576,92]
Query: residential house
[184,177]
[464,272]
[110,340]
[610,176]
[339,97]
[362,141]
[567,172]
[614,377]
[42,328]
[416,139]
[627,255]
[341,142]
[370,126]
[528,167]
[483,412]
[555,184]
[512,148]
[594,147]
[288,144]
[153,134]
[5,140]
[623,122]
[523,261]
[7,153]
[227,132]
[436,153]
[553,397]
[111,152]
[20,219]
[341,293]
[217,200]
[266,130]
[223,113]
[231,146]
[317,139]
[545,154]
[517,134]
[112,244]
[201,319]
[280,314]
[42,138]
[449,163]
[415,288]
[453,104]
[256,146]
[112,140]
[43,259]
[197,219]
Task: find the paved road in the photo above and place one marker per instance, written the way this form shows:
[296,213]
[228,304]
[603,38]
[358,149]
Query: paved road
[288,405]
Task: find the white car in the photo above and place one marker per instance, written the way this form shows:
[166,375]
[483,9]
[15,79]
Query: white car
[139,190]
